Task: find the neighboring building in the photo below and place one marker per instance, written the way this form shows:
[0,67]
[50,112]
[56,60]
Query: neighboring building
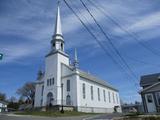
[150,92]
[63,82]
[137,107]
[3,106]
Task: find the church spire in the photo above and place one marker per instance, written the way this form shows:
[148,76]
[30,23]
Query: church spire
[58,30]
[57,40]
[75,62]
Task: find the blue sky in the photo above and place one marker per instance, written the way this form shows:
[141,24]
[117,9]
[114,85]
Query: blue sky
[26,28]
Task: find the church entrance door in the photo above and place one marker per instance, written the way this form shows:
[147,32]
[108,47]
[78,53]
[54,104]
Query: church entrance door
[68,100]
[50,99]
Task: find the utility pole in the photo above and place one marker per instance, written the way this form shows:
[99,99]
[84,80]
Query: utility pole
[62,111]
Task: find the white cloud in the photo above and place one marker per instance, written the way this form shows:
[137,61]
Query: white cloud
[41,30]
[147,22]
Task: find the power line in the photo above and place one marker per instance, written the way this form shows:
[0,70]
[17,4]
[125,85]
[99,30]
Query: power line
[76,7]
[91,33]
[101,45]
[141,61]
[133,35]
[109,40]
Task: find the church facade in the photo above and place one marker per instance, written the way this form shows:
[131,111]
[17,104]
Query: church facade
[63,83]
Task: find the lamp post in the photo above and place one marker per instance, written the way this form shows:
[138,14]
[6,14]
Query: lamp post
[62,111]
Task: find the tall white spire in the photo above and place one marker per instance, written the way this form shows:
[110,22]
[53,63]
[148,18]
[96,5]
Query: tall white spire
[57,40]
[58,30]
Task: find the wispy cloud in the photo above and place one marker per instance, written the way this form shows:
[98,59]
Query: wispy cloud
[146,22]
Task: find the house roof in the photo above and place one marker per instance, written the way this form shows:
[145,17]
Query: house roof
[3,102]
[149,79]
[149,87]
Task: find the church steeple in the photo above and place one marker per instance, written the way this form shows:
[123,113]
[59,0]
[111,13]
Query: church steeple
[57,39]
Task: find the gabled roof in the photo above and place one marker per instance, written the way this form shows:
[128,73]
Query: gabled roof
[149,79]
[88,77]
[148,88]
[95,79]
[3,102]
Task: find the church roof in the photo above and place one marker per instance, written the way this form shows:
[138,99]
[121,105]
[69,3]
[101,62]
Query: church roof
[87,76]
[95,79]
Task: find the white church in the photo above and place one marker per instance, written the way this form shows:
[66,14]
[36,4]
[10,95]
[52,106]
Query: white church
[64,84]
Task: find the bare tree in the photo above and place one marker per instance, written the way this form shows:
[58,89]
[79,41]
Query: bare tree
[27,91]
[2,96]
[12,99]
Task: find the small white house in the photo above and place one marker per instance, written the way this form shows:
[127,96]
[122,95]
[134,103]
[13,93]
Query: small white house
[3,106]
[150,92]
[64,83]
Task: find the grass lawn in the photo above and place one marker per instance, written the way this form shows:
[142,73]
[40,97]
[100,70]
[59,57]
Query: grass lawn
[55,114]
[141,118]
[138,116]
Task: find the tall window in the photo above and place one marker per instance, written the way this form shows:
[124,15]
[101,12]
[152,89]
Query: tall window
[42,90]
[117,98]
[84,91]
[52,81]
[41,102]
[47,82]
[109,96]
[98,94]
[158,98]
[104,95]
[68,85]
[91,92]
[113,98]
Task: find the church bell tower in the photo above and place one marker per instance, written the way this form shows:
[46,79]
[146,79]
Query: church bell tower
[53,63]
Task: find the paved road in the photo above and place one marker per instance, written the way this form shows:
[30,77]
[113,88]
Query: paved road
[105,116]
[19,117]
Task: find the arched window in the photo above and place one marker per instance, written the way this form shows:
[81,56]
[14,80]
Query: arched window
[53,44]
[61,46]
[68,100]
[50,99]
